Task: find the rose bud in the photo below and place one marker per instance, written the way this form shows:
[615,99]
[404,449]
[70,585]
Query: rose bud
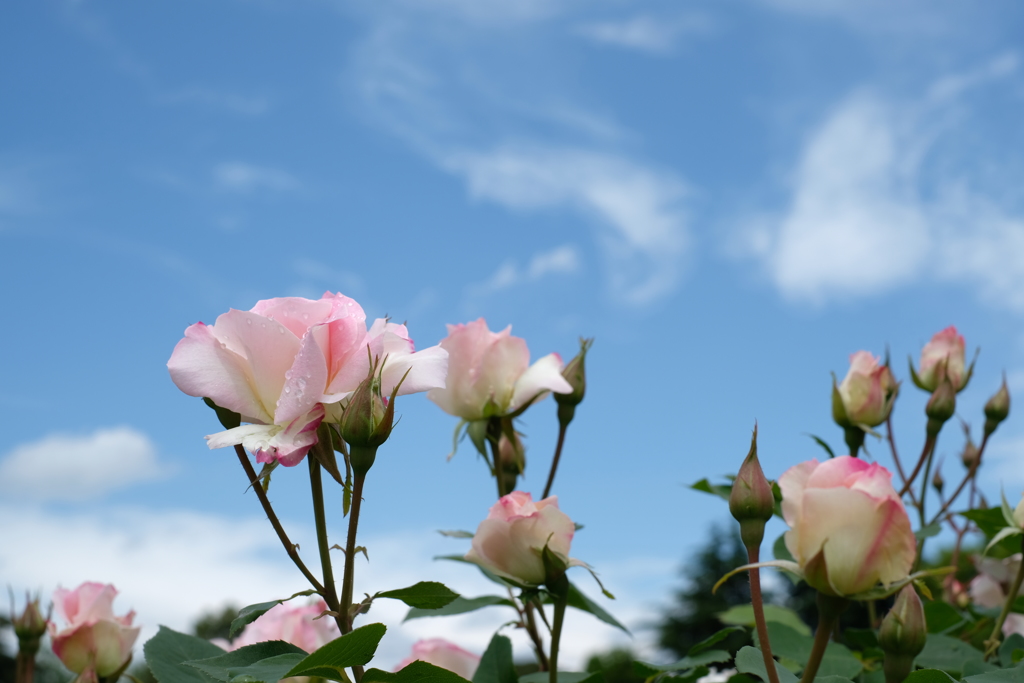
[447,655]
[511,541]
[940,407]
[489,373]
[969,455]
[868,391]
[942,358]
[937,481]
[902,635]
[848,527]
[575,374]
[95,643]
[997,408]
[751,501]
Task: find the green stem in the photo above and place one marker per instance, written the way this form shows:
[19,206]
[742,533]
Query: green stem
[929,445]
[25,666]
[560,591]
[348,580]
[289,547]
[921,503]
[531,629]
[992,644]
[565,415]
[320,516]
[753,557]
[829,609]
[494,439]
[967,478]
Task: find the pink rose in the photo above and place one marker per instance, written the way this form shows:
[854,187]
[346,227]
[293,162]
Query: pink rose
[510,542]
[943,354]
[440,652]
[848,527]
[989,588]
[868,390]
[280,364]
[293,625]
[95,641]
[489,373]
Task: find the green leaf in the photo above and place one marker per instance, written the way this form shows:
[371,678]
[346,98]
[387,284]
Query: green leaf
[416,672]
[743,615]
[1014,641]
[496,665]
[787,642]
[168,650]
[723,491]
[946,654]
[564,677]
[579,601]
[860,638]
[989,520]
[749,660]
[1014,675]
[928,531]
[422,595]
[715,639]
[251,613]
[821,442]
[709,657]
[459,605]
[831,678]
[973,667]
[268,662]
[456,533]
[941,616]
[929,676]
[352,649]
[228,419]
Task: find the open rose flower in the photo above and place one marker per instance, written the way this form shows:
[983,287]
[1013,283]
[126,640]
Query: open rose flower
[286,364]
[95,643]
[848,527]
[511,541]
[295,624]
[442,653]
[867,391]
[942,357]
[989,588]
[489,373]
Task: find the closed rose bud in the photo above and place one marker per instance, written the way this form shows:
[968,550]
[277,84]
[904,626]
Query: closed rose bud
[442,653]
[30,624]
[969,455]
[575,374]
[751,501]
[940,407]
[942,358]
[997,408]
[902,635]
[868,391]
[848,527]
[938,482]
[95,641]
[511,541]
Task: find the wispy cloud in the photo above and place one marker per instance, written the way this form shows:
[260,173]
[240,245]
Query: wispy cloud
[639,212]
[237,176]
[564,260]
[868,214]
[645,32]
[67,467]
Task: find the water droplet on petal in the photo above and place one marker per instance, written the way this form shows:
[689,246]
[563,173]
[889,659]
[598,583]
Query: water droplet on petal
[248,321]
[287,390]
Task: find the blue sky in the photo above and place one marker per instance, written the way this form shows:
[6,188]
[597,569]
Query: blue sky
[730,196]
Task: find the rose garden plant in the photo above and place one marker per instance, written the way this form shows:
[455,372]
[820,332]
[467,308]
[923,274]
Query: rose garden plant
[296,379]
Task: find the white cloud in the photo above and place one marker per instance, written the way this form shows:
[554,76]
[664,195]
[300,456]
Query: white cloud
[79,467]
[564,260]
[237,176]
[868,213]
[640,213]
[171,566]
[644,32]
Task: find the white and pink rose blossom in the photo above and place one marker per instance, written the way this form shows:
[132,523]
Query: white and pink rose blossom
[848,527]
[95,642]
[296,624]
[285,365]
[944,355]
[868,390]
[511,541]
[489,373]
[445,654]
[989,588]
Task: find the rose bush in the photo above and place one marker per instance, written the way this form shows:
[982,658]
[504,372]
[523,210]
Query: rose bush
[511,541]
[848,527]
[489,373]
[285,366]
[442,653]
[943,356]
[95,642]
[868,390]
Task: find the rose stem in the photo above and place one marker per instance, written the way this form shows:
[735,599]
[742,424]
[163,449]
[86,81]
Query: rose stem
[829,609]
[350,551]
[289,547]
[753,557]
[992,644]
[920,506]
[967,477]
[896,456]
[317,488]
[560,591]
[494,438]
[563,427]
[929,445]
[531,628]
